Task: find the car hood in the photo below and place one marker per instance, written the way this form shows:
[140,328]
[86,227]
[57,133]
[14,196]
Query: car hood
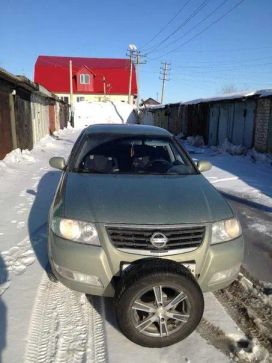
[143,199]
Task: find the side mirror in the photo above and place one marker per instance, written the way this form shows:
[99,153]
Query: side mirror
[57,162]
[203,165]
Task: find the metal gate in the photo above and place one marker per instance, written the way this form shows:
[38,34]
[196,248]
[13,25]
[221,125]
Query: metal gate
[232,121]
[5,126]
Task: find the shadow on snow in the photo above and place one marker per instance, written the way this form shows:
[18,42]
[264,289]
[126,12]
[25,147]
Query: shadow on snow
[3,308]
[38,217]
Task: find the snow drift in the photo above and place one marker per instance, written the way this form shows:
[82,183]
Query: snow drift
[88,113]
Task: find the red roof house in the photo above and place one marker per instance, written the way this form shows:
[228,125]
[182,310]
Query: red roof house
[90,75]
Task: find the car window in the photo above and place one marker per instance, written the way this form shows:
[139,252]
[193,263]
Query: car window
[109,154]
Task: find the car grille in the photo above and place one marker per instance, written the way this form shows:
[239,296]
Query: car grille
[139,238]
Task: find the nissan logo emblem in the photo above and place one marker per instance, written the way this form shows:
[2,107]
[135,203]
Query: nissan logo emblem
[158,240]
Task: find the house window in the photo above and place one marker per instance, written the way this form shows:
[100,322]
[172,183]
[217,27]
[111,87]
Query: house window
[84,79]
[65,99]
[80,99]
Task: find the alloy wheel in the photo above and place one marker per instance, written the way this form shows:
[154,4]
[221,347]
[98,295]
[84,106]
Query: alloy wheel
[160,311]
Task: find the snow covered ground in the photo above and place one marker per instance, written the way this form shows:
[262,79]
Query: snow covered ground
[238,175]
[43,321]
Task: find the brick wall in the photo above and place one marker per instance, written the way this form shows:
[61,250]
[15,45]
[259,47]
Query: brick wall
[263,119]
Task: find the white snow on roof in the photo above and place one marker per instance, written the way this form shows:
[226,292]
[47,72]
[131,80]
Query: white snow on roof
[231,96]
[153,107]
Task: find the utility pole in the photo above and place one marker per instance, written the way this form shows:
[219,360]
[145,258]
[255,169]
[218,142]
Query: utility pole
[164,76]
[138,61]
[136,58]
[104,88]
[71,85]
[130,52]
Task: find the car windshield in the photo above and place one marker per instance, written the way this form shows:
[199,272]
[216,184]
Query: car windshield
[115,154]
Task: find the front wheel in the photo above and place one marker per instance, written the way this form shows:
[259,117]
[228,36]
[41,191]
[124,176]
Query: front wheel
[159,304]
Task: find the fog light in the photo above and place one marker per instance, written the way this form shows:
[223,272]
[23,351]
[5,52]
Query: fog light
[78,276]
[225,274]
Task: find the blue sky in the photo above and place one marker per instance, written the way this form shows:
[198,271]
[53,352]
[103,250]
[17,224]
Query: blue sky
[236,51]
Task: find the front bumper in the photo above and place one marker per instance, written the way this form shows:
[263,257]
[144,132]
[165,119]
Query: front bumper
[216,266]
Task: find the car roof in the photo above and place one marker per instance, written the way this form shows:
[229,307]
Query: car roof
[126,129]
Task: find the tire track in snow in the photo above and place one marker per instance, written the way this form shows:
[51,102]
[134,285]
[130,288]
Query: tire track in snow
[237,348]
[99,332]
[250,308]
[64,327]
[249,303]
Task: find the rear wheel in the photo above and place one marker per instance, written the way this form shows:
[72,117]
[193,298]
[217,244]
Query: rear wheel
[159,303]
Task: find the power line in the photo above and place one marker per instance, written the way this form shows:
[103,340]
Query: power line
[195,26]
[233,50]
[166,25]
[226,67]
[185,22]
[202,31]
[221,62]
[205,76]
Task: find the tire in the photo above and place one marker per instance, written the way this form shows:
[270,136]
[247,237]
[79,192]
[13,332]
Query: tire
[156,283]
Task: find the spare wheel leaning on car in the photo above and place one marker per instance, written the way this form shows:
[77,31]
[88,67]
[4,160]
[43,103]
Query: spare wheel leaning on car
[158,302]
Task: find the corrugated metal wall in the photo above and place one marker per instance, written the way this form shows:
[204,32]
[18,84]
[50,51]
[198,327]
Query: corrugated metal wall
[233,121]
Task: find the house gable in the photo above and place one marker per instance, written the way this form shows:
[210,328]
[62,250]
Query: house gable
[84,80]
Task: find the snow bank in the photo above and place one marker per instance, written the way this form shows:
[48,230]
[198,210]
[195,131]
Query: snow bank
[88,113]
[228,147]
[197,140]
[262,157]
[16,156]
[232,149]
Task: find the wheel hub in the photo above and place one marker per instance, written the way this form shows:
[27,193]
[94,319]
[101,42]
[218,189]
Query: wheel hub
[160,311]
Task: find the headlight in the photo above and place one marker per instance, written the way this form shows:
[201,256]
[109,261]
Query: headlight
[78,231]
[225,230]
